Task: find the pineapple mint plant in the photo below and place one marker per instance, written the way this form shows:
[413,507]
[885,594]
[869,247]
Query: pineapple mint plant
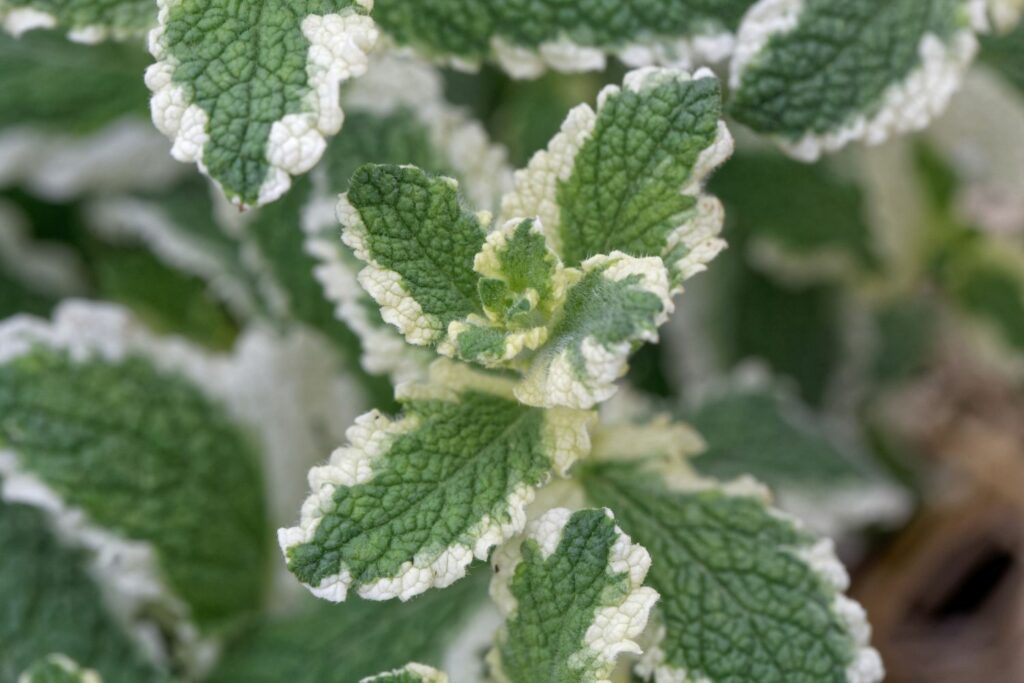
[496,438]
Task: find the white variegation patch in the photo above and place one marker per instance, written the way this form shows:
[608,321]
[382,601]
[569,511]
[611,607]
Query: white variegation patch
[422,672]
[338,51]
[1005,14]
[48,267]
[21,20]
[565,439]
[614,627]
[865,665]
[124,155]
[906,106]
[67,666]
[555,379]
[536,187]
[397,306]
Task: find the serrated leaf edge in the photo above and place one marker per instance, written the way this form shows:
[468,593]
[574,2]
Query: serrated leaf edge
[565,437]
[535,190]
[298,140]
[820,556]
[906,106]
[615,626]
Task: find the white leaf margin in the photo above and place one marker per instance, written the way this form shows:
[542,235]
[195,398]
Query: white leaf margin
[338,51]
[424,673]
[820,556]
[615,626]
[551,379]
[66,665]
[566,439]
[906,106]
[395,82]
[535,191]
[274,386]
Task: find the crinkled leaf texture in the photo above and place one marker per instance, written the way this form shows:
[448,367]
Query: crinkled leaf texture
[58,668]
[117,436]
[410,673]
[249,90]
[86,21]
[572,593]
[410,502]
[747,595]
[817,74]
[629,176]
[507,299]
[52,604]
[525,38]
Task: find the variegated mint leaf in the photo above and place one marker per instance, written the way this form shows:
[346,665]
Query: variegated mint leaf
[85,21]
[409,502]
[816,75]
[58,668]
[521,289]
[410,673]
[343,643]
[525,38]
[618,303]
[396,114]
[573,597]
[73,119]
[249,90]
[747,595]
[52,603]
[419,244]
[755,426]
[123,439]
[629,176]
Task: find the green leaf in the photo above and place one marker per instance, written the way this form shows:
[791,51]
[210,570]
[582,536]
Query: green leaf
[249,90]
[1006,54]
[73,118]
[58,668]
[410,502]
[754,428]
[527,37]
[573,596]
[817,74]
[328,643]
[798,221]
[86,21]
[985,279]
[51,604]
[746,594]
[628,177]
[419,244]
[410,673]
[618,303]
[138,460]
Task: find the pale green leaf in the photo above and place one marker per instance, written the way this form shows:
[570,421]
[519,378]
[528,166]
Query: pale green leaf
[572,593]
[752,427]
[57,668]
[51,604]
[409,502]
[85,21]
[73,118]
[527,37]
[629,176]
[101,422]
[816,74]
[249,90]
[329,643]
[747,595]
[410,673]
[617,304]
